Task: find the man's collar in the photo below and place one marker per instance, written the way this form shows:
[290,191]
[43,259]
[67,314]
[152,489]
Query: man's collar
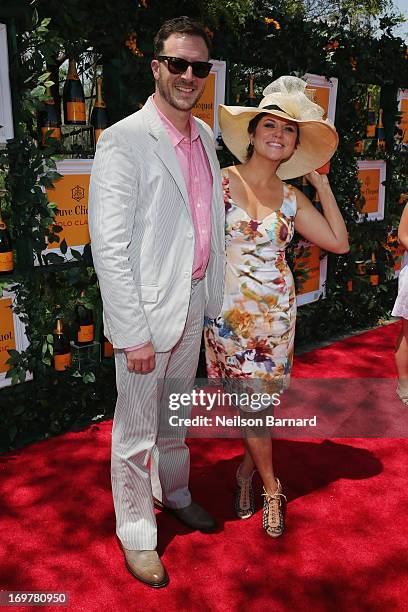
[175,134]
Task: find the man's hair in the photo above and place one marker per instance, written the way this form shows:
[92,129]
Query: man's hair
[179,25]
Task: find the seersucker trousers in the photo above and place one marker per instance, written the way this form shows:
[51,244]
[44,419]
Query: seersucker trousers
[147,462]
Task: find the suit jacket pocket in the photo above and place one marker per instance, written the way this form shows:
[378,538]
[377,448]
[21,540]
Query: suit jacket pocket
[148,293]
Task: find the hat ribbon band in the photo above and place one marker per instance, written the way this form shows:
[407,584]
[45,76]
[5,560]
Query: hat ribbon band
[273,107]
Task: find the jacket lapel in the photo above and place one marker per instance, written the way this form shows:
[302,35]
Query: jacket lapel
[210,151]
[165,150]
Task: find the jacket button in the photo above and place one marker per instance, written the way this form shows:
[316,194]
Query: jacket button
[186,274]
[190,235]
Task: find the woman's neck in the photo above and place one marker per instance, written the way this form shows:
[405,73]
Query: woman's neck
[262,171]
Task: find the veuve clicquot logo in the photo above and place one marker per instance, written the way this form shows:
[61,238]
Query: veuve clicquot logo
[73,97]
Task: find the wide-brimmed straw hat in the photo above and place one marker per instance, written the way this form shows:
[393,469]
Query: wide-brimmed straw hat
[285,97]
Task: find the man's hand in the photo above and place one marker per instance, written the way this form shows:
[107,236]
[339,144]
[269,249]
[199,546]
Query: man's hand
[142,360]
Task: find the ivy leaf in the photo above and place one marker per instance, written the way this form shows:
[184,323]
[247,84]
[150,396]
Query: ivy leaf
[44,77]
[50,339]
[53,258]
[63,247]
[76,254]
[88,377]
[53,175]
[38,91]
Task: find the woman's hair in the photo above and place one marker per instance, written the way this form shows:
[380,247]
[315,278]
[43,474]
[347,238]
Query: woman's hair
[252,125]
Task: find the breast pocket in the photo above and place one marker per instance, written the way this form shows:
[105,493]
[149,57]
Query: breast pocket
[149,293]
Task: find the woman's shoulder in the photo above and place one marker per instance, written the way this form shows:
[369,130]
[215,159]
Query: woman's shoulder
[227,171]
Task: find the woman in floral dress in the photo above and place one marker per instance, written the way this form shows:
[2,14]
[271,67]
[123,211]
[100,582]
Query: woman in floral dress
[251,342]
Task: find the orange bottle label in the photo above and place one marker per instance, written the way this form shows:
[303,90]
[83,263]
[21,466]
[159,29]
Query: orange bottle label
[86,333]
[98,132]
[52,133]
[350,285]
[107,349]
[61,362]
[371,131]
[374,279]
[76,111]
[6,261]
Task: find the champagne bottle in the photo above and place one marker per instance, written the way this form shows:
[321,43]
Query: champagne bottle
[379,132]
[73,97]
[373,271]
[99,116]
[360,263]
[49,121]
[62,352]
[251,101]
[85,324]
[107,348]
[6,250]
[370,118]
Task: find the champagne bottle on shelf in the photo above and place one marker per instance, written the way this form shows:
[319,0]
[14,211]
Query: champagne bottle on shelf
[373,271]
[107,348]
[73,97]
[62,350]
[6,249]
[85,324]
[99,116]
[360,262]
[251,100]
[371,122]
[49,120]
[379,132]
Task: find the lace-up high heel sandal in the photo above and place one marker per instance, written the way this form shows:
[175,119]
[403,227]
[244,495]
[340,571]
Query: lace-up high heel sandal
[273,512]
[402,392]
[244,496]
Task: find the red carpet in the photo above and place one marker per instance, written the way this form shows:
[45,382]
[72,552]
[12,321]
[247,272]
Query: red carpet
[346,542]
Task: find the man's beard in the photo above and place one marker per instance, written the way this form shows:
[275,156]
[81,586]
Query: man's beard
[183,105]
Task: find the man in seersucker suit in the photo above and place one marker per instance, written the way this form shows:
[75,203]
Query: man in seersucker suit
[156,218]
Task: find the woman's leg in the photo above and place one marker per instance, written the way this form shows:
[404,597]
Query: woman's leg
[401,354]
[401,360]
[259,453]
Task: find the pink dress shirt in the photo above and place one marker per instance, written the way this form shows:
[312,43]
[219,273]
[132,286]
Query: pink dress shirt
[198,178]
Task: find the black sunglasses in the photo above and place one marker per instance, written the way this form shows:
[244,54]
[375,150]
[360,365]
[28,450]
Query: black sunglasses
[178,65]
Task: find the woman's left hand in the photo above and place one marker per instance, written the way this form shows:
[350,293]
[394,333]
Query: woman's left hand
[317,180]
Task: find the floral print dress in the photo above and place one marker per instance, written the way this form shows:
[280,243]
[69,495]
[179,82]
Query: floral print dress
[254,335]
